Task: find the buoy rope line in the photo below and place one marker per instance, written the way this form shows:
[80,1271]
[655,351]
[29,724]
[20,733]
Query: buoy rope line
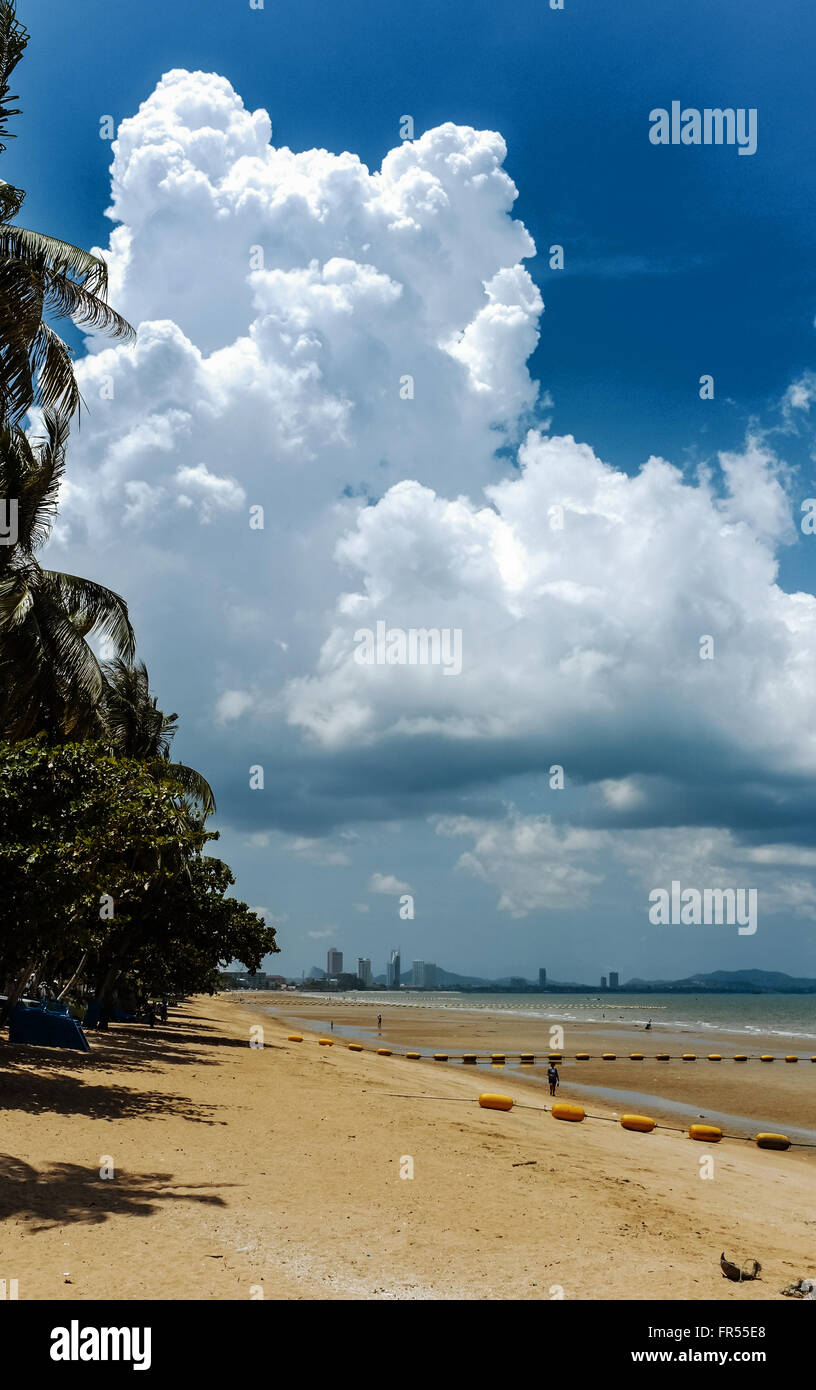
[529,1058]
[713,1134]
[643,1124]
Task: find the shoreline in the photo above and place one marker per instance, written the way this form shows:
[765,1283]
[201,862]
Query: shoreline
[374,998]
[752,1095]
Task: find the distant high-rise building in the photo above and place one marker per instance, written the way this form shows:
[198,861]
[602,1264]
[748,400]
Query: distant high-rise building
[418,974]
[364,970]
[392,974]
[613,979]
[603,982]
[334,962]
[430,975]
[542,978]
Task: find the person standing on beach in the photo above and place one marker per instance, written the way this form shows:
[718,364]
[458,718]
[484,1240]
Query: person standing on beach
[379,1023]
[553,1077]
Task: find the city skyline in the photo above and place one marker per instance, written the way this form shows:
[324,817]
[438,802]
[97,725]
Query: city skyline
[426,970]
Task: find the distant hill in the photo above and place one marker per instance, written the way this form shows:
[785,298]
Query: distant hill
[731,982]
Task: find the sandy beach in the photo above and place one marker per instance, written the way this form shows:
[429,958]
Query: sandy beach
[242,1172]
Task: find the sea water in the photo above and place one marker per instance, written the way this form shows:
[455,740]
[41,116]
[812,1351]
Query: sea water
[782,1015]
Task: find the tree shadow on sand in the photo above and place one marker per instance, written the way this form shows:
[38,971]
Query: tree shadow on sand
[66,1193]
[66,1094]
[125,1047]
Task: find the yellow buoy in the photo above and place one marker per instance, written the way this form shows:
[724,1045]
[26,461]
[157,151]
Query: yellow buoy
[295,1037]
[413,1056]
[489,1101]
[498,1058]
[326,1042]
[773,1141]
[766,1057]
[582,1056]
[383,1051]
[440,1056]
[567,1112]
[470,1057]
[355,1047]
[689,1057]
[714,1057]
[608,1056]
[527,1059]
[663,1057]
[643,1123]
[791,1058]
[635,1056]
[709,1133]
[740,1057]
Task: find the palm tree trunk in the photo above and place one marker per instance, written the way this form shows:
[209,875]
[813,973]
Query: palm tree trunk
[103,993]
[15,990]
[75,975]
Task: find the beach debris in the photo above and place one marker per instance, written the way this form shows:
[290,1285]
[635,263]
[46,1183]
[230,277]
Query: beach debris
[528,1163]
[802,1288]
[737,1275]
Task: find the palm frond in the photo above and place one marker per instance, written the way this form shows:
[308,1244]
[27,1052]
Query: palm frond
[82,599]
[13,40]
[53,366]
[190,782]
[11,200]
[138,728]
[31,471]
[54,256]
[66,299]
[16,601]
[39,274]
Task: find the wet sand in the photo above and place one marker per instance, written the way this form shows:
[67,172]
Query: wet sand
[753,1095]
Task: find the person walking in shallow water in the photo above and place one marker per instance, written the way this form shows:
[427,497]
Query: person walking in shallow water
[379,1023]
[553,1077]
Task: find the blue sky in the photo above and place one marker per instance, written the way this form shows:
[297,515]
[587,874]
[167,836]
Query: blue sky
[679,261]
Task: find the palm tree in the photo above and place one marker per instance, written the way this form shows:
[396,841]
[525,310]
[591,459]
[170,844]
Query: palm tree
[40,275]
[137,728]
[50,678]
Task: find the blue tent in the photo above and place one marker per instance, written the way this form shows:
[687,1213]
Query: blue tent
[47,1025]
[116,1014]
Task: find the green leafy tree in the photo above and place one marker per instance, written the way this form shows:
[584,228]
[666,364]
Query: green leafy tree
[187,930]
[84,838]
[102,871]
